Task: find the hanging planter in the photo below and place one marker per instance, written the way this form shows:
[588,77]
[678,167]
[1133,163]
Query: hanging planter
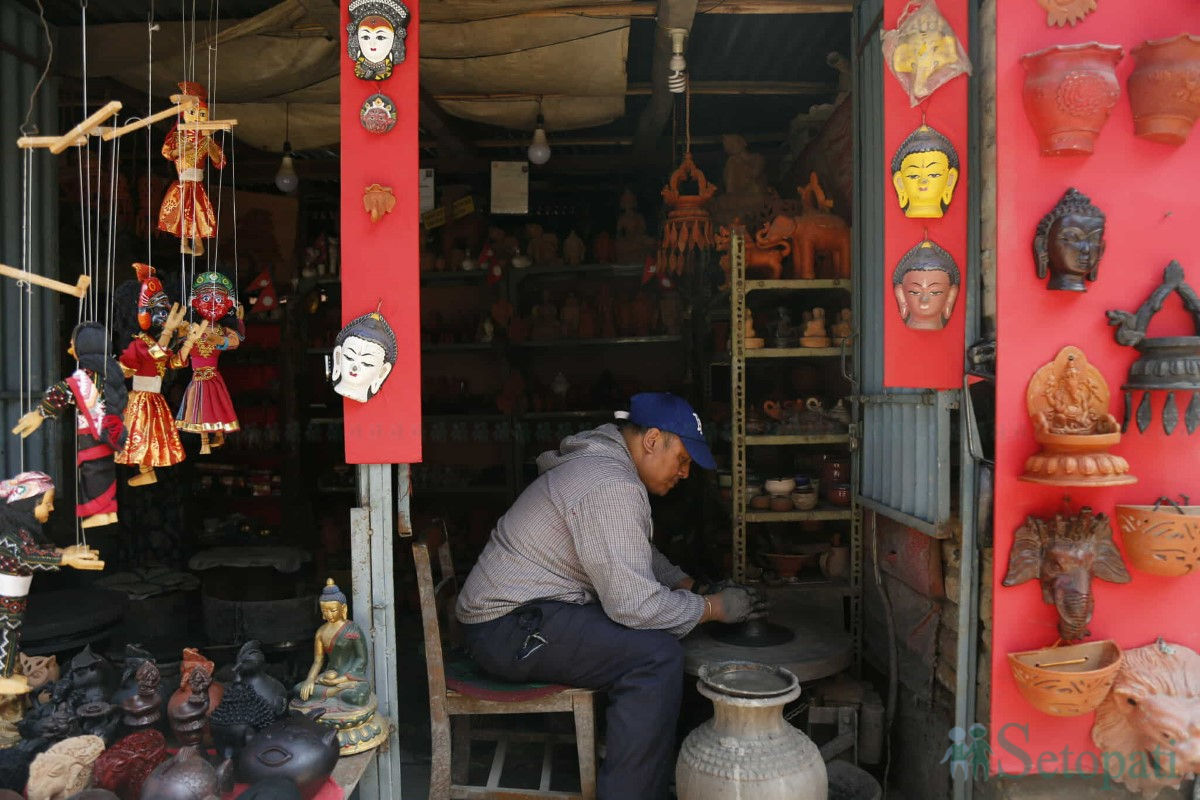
[1161,541]
[1067,681]
[1164,88]
[1070,90]
[1165,363]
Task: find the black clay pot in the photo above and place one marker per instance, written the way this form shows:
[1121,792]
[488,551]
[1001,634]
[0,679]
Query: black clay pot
[184,776]
[297,747]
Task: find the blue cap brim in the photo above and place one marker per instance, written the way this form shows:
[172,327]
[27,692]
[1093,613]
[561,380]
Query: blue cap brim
[698,450]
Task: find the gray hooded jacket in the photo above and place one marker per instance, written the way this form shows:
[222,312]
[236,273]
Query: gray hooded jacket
[581,533]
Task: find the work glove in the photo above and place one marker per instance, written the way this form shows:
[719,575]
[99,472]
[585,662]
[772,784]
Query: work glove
[736,604]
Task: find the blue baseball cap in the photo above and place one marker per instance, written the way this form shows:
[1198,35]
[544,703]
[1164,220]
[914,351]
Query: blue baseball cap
[672,413]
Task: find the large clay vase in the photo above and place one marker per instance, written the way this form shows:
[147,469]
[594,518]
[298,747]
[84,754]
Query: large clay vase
[1070,90]
[748,750]
[1164,88]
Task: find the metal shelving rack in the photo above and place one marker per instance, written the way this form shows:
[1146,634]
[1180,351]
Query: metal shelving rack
[739,361]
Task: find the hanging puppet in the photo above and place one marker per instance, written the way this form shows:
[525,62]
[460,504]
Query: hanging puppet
[207,408]
[26,502]
[153,438]
[375,37]
[186,210]
[97,390]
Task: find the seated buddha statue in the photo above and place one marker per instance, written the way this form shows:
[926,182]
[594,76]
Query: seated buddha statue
[337,681]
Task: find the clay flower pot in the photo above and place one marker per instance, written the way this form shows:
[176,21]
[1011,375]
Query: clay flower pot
[1067,681]
[1161,540]
[1164,88]
[1070,90]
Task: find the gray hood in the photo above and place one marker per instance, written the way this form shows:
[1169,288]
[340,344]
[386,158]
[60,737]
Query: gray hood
[605,442]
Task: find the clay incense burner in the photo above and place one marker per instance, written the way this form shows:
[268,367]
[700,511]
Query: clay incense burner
[1070,90]
[1067,402]
[1164,88]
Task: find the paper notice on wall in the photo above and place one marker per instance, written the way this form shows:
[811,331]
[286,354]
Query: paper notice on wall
[510,187]
[427,196]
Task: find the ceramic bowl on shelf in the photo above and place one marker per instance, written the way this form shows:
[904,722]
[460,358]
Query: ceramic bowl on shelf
[780,487]
[804,500]
[802,480]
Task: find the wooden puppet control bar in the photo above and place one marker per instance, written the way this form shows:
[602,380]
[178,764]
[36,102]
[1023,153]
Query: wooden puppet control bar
[58,144]
[78,290]
[211,125]
[112,133]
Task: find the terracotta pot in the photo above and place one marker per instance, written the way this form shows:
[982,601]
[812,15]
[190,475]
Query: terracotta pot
[781,502]
[1077,460]
[760,502]
[1054,685]
[1070,90]
[748,750]
[835,562]
[1161,540]
[788,564]
[1164,88]
[835,470]
[839,494]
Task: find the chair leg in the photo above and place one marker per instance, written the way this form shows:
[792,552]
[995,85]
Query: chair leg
[585,744]
[439,768]
[460,761]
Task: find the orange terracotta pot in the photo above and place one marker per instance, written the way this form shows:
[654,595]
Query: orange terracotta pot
[1161,540]
[1067,681]
[1164,88]
[1070,90]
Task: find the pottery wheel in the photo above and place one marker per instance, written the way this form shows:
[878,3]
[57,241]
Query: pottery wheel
[755,633]
[817,649]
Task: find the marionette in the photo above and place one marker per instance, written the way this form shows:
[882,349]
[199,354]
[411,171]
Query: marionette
[186,210]
[153,438]
[26,502]
[207,408]
[97,390]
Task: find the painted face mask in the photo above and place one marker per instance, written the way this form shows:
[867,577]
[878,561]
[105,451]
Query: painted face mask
[363,356]
[211,296]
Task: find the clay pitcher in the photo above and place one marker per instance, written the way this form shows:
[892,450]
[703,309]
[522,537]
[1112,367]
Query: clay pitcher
[1070,90]
[1164,88]
[748,750]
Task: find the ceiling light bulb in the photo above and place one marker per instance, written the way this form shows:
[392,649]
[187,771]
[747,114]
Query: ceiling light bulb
[286,179]
[677,82]
[677,64]
[539,148]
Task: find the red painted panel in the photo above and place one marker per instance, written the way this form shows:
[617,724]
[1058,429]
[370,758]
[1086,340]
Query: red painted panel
[1148,192]
[379,259]
[925,359]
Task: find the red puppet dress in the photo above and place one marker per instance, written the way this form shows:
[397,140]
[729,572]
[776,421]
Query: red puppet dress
[207,407]
[186,210]
[153,439]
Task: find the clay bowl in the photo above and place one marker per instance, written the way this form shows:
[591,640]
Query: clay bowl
[1067,681]
[781,503]
[804,501]
[788,565]
[839,494]
[1161,540]
[780,487]
[760,502]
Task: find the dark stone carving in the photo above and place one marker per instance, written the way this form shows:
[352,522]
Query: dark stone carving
[1070,243]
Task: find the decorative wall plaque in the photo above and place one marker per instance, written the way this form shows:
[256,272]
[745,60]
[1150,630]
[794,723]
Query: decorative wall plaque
[378,114]
[375,37]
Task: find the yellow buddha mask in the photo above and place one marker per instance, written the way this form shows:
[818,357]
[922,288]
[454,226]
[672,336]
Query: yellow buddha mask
[926,283]
[924,173]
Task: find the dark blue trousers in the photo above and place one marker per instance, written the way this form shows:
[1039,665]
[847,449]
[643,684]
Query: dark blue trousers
[642,672]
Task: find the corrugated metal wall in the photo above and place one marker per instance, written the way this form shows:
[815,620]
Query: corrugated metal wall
[22,57]
[905,432]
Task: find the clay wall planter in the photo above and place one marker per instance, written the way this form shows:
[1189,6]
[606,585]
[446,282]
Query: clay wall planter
[1054,685]
[1070,90]
[1161,540]
[1164,88]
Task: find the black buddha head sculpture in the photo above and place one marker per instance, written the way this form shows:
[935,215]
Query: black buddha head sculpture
[1069,243]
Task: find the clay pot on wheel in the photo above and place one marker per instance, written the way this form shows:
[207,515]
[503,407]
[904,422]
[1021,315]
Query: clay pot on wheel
[1070,90]
[1164,88]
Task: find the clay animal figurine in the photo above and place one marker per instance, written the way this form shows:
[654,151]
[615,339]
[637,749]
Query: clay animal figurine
[39,671]
[242,713]
[97,390]
[135,656]
[64,769]
[186,211]
[26,502]
[819,231]
[336,684]
[298,748]
[186,776]
[764,257]
[1064,553]
[124,767]
[153,438]
[248,669]
[1152,711]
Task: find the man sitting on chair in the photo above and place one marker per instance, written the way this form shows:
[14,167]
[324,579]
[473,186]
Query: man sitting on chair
[571,590]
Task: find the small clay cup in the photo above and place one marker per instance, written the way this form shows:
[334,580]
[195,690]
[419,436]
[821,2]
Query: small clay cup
[839,494]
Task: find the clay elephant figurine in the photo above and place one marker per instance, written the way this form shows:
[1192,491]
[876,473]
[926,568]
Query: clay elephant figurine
[762,257]
[811,233]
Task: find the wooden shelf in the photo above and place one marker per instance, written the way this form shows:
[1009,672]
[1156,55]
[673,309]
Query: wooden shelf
[796,352]
[785,439]
[818,513]
[613,270]
[798,283]
[620,340]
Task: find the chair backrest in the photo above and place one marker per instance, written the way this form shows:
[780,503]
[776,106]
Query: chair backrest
[437,599]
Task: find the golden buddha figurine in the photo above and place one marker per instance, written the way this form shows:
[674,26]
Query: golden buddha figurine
[925,172]
[926,285]
[337,681]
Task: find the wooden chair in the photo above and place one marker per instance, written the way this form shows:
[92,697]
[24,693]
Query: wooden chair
[457,690]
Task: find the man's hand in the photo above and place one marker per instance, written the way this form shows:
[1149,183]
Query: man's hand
[737,604]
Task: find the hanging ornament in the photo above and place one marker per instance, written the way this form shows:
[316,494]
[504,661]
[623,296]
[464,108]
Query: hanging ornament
[153,439]
[207,409]
[186,211]
[1165,363]
[923,53]
[97,390]
[375,37]
[688,227]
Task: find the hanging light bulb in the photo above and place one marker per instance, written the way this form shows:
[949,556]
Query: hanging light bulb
[677,81]
[286,179]
[539,148]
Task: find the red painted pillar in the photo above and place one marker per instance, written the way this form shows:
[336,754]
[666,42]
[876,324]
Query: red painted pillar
[379,259]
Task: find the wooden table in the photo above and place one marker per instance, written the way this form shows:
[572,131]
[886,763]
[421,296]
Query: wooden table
[350,769]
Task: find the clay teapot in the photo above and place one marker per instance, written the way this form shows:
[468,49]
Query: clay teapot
[185,776]
[297,747]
